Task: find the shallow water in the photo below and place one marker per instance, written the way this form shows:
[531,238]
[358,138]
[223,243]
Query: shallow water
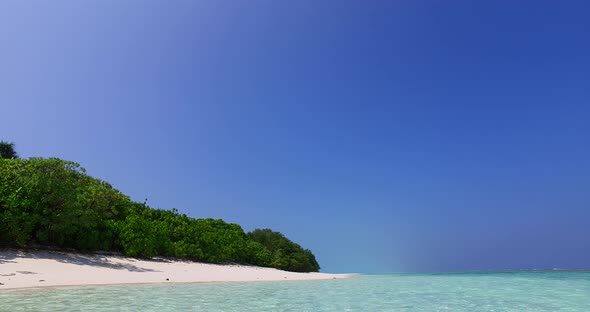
[508,291]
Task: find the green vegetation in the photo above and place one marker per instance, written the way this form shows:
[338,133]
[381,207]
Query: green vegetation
[285,254]
[7,150]
[53,202]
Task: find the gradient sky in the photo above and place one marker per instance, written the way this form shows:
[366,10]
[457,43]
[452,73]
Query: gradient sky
[383,135]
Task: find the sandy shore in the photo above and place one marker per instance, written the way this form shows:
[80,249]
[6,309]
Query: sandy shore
[25,269]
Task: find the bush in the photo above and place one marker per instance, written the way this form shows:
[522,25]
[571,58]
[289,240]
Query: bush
[54,202]
[286,255]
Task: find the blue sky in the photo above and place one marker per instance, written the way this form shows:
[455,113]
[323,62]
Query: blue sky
[383,135]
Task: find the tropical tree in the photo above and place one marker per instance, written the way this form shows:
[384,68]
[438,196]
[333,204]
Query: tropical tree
[285,254]
[53,202]
[7,150]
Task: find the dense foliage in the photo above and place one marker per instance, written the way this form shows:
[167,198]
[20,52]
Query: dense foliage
[7,150]
[285,254]
[53,202]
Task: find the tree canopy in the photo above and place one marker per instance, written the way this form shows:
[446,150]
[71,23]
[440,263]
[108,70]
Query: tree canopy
[53,202]
[7,150]
[285,254]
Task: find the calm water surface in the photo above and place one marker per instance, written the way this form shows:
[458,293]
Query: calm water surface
[516,291]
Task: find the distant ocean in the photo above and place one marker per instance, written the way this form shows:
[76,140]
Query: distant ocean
[498,291]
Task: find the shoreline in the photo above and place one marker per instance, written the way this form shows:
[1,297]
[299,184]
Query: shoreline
[24,269]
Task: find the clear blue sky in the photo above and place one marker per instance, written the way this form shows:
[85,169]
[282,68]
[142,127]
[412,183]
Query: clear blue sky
[383,135]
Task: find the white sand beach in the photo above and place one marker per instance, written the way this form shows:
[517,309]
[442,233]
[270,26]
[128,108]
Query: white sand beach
[26,269]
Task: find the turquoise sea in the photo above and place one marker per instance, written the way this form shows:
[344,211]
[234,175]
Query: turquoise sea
[499,291]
